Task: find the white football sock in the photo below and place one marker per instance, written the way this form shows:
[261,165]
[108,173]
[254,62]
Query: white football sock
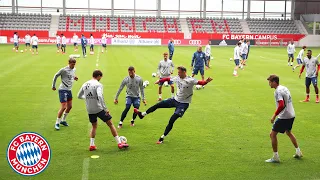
[162,136]
[64,116]
[275,154]
[297,150]
[91,141]
[172,95]
[144,113]
[117,139]
[160,95]
[58,120]
[235,72]
[120,122]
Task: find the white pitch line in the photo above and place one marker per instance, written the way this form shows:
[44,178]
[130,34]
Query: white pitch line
[86,161]
[85,169]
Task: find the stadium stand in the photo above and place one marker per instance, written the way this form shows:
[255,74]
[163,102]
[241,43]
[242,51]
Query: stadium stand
[214,25]
[118,24]
[25,21]
[274,26]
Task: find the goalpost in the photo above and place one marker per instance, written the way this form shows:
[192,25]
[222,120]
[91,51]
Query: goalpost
[279,42]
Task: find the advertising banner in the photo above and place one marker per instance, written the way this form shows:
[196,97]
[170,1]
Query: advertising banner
[136,42]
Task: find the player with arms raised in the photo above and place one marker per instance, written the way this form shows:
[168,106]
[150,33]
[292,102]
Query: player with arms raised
[291,50]
[134,85]
[68,76]
[181,100]
[284,122]
[312,70]
[165,69]
[92,92]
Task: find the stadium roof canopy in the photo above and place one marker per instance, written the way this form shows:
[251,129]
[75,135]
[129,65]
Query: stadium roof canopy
[283,9]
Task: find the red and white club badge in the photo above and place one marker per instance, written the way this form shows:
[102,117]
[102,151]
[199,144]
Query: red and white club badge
[28,153]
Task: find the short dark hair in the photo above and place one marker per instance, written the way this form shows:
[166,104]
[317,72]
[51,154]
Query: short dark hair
[245,41]
[96,73]
[239,43]
[273,78]
[130,68]
[72,60]
[309,50]
[34,34]
[304,47]
[182,68]
[61,34]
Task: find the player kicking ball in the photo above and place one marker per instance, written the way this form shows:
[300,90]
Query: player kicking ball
[284,122]
[65,95]
[181,100]
[312,70]
[92,92]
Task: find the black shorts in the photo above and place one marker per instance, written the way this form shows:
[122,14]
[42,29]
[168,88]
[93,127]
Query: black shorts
[102,115]
[283,125]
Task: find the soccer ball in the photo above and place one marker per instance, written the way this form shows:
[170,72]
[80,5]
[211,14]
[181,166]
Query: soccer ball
[230,59]
[154,74]
[145,84]
[21,51]
[166,84]
[198,87]
[123,139]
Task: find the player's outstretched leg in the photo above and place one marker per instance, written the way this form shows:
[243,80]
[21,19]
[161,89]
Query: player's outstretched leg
[168,103]
[124,115]
[274,142]
[294,142]
[173,118]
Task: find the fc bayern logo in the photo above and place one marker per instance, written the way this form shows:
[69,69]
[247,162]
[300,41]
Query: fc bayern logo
[28,153]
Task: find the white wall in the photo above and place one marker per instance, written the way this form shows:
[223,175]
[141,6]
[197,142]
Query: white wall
[310,41]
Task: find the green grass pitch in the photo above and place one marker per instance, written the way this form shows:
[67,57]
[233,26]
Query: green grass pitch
[223,135]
